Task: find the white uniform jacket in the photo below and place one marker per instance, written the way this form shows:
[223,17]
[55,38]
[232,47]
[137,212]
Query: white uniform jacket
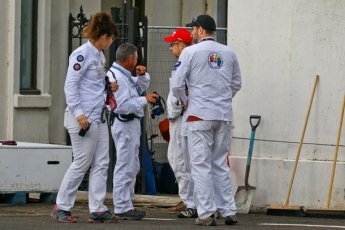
[85,82]
[211,69]
[127,96]
[174,111]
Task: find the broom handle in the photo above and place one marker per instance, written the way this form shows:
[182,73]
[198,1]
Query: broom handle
[301,141]
[335,154]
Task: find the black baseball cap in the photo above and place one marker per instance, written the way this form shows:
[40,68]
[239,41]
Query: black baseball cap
[205,21]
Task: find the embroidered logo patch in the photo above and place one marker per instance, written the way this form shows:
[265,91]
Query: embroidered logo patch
[80,58]
[76,66]
[177,65]
[215,61]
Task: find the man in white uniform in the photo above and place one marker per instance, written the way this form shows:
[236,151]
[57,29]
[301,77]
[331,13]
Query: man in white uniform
[179,39]
[213,75]
[126,128]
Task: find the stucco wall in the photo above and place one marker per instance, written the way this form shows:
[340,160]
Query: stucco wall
[281,46]
[59,61]
[89,6]
[31,120]
[58,69]
[3,65]
[177,12]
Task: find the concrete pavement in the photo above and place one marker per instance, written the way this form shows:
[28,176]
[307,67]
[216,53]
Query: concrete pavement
[36,215]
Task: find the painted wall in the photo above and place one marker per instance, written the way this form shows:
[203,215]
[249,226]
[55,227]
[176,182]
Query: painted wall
[180,11]
[58,69]
[59,61]
[37,118]
[89,6]
[281,47]
[4,27]
[30,115]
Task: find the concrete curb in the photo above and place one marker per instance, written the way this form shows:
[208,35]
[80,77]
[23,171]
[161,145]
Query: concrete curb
[164,200]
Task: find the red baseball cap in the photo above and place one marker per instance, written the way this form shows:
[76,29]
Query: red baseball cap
[180,35]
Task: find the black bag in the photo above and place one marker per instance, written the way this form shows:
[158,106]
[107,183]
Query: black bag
[168,181]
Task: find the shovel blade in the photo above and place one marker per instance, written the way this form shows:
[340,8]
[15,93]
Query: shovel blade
[243,198]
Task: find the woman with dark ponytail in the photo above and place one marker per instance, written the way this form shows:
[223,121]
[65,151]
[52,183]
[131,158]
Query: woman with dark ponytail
[84,91]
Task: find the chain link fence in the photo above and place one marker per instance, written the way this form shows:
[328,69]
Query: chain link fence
[160,62]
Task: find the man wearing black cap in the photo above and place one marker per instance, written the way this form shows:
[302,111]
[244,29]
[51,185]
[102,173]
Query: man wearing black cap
[214,77]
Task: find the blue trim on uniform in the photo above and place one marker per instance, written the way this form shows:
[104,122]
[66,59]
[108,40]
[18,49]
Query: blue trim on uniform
[176,65]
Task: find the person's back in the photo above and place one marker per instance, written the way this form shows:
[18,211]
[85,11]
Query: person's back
[214,79]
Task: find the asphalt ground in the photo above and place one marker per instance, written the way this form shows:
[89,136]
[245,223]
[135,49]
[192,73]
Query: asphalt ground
[35,215]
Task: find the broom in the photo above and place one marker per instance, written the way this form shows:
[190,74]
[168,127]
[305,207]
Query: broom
[286,209]
[327,210]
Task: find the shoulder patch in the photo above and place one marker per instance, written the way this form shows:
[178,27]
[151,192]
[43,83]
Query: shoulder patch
[176,65]
[215,61]
[80,58]
[76,66]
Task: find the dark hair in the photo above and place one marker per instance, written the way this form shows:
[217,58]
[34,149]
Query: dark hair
[209,32]
[124,51]
[101,23]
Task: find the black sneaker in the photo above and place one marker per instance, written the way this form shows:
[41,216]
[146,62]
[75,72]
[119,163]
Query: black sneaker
[231,220]
[62,216]
[103,217]
[133,214]
[188,213]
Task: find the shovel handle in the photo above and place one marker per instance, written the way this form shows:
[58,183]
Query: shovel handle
[258,117]
[251,146]
[252,136]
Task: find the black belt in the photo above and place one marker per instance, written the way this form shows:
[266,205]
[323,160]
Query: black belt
[110,116]
[126,117]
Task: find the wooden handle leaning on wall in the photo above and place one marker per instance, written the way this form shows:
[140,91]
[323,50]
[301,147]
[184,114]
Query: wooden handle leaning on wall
[336,154]
[301,142]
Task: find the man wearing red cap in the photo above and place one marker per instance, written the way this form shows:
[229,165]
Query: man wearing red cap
[179,39]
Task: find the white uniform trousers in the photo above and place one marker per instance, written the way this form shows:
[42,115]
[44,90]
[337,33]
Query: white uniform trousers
[176,159]
[209,145]
[126,136]
[90,150]
[187,165]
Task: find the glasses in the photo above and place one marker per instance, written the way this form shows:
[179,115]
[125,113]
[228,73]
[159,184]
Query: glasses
[174,43]
[113,38]
[194,20]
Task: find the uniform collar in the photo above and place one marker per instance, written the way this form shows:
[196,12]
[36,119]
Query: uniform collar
[93,48]
[123,70]
[206,39]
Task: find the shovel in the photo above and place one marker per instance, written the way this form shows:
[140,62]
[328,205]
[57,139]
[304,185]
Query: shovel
[245,194]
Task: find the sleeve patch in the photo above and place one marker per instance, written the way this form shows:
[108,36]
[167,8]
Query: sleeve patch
[76,66]
[80,58]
